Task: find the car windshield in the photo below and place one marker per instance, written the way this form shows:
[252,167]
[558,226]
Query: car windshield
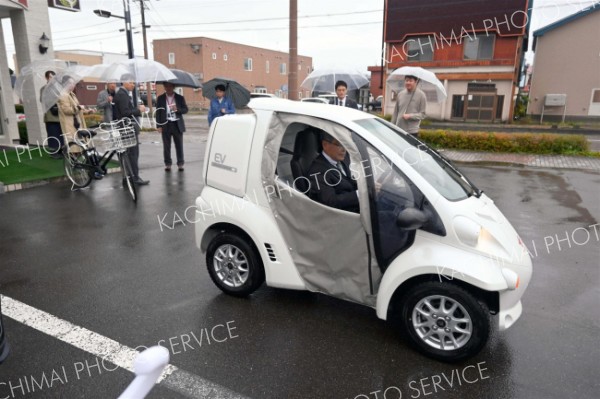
[440,173]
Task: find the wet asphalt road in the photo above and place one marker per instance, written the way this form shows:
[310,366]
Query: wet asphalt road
[101,262]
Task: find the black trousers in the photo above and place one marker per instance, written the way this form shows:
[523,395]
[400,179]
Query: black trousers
[55,139]
[134,155]
[171,130]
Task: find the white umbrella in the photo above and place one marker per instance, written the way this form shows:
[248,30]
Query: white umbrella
[324,79]
[428,82]
[35,71]
[60,84]
[140,69]
[65,80]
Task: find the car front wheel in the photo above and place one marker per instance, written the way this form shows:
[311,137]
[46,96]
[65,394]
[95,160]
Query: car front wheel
[234,265]
[445,321]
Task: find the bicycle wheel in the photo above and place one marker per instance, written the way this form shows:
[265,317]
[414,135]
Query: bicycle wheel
[76,165]
[127,172]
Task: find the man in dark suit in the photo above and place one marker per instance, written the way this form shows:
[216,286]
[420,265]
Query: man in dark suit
[331,181]
[341,88]
[170,107]
[124,108]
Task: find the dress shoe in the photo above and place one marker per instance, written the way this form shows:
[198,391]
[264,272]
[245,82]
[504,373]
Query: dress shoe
[168,168]
[98,175]
[140,182]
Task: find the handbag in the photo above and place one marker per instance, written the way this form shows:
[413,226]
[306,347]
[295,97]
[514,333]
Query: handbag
[54,110]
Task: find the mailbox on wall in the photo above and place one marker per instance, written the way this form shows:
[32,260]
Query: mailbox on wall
[554,100]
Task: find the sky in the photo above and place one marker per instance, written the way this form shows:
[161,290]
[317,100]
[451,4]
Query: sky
[332,32]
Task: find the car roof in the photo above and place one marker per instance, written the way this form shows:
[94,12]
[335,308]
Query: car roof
[325,111]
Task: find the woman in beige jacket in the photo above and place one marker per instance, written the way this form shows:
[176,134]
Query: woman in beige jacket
[70,111]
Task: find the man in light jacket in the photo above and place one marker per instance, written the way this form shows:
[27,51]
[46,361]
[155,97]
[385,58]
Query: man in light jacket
[105,101]
[410,108]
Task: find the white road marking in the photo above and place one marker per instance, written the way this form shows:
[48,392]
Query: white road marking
[110,350]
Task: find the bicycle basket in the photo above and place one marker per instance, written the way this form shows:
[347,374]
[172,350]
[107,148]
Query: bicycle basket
[116,136]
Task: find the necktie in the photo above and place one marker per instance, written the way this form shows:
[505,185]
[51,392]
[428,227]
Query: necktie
[341,168]
[340,103]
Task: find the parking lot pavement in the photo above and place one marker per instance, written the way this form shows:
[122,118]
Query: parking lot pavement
[131,273]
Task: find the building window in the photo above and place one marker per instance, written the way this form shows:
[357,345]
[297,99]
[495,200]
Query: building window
[260,90]
[480,48]
[71,63]
[282,68]
[419,48]
[247,64]
[596,96]
[224,57]
[299,94]
[214,56]
[171,58]
[91,87]
[267,66]
[299,67]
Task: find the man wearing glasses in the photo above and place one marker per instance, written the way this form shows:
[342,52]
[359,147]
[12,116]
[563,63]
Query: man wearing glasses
[331,181]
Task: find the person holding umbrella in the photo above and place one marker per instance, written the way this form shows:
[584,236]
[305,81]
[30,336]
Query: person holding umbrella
[410,106]
[341,88]
[220,104]
[124,109]
[169,120]
[52,121]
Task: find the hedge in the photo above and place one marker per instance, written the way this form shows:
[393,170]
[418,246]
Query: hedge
[534,143]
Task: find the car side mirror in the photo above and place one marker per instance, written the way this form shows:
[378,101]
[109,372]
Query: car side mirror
[411,219]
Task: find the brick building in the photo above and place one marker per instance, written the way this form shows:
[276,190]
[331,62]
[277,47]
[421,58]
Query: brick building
[258,69]
[475,48]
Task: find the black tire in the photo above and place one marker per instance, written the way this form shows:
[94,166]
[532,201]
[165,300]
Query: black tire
[234,265]
[433,332]
[76,165]
[127,172]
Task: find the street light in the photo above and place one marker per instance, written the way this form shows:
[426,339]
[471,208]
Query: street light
[127,18]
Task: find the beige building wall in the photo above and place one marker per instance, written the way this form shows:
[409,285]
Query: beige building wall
[210,58]
[567,61]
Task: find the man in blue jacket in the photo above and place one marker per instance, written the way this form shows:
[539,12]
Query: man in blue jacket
[220,105]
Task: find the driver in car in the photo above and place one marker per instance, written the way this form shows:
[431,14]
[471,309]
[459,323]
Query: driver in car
[331,181]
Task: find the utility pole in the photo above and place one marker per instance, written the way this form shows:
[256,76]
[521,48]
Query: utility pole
[129,33]
[293,72]
[148,84]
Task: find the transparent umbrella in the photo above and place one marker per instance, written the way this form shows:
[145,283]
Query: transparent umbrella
[59,85]
[324,80]
[35,72]
[428,82]
[138,69]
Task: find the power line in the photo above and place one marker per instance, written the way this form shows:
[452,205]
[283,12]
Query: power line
[277,18]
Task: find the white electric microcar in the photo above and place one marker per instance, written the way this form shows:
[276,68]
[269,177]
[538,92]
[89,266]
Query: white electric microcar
[427,248]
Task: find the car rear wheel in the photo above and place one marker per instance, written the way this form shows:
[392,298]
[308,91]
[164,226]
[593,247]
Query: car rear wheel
[234,265]
[445,321]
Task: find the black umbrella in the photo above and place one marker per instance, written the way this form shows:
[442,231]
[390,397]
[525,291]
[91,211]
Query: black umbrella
[184,79]
[238,94]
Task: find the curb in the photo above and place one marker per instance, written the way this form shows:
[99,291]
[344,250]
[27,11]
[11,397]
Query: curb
[529,160]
